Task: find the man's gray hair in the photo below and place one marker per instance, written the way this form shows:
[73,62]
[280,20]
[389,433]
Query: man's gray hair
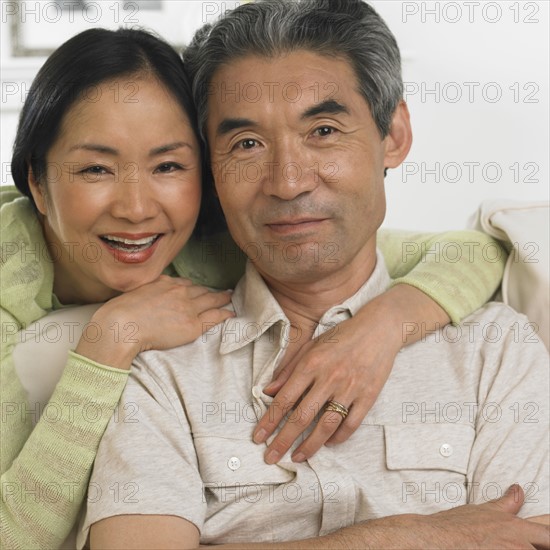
[339,28]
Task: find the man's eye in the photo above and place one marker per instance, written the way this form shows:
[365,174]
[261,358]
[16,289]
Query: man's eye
[246,144]
[324,131]
[167,167]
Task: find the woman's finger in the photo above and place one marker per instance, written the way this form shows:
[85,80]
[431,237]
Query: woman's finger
[182,281]
[213,317]
[210,300]
[328,424]
[286,372]
[284,401]
[194,291]
[357,413]
[298,420]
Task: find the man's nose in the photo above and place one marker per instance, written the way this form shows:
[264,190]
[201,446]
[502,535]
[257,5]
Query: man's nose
[290,171]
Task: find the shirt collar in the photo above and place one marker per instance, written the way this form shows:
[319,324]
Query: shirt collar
[257,310]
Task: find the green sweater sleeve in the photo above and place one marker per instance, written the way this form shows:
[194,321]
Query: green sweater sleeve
[45,470]
[460,270]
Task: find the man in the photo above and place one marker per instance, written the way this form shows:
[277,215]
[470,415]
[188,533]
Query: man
[303,115]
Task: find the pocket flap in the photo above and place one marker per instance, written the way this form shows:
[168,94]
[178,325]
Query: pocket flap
[228,462]
[428,446]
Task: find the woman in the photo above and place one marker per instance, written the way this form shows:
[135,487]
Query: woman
[108,157]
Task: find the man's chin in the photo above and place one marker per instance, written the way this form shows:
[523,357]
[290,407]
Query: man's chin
[296,269]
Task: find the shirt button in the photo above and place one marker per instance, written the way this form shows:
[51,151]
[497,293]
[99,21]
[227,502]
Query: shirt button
[233,463]
[445,450]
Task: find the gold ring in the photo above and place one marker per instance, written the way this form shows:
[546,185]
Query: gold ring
[334,406]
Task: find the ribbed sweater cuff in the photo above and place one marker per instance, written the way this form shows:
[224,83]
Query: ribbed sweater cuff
[439,293]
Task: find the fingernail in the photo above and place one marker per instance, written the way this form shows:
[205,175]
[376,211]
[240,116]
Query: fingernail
[271,457]
[270,389]
[260,436]
[298,457]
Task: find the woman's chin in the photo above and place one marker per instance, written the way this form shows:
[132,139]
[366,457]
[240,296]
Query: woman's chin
[121,285]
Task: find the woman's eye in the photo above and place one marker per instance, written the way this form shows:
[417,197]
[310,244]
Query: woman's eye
[94,170]
[167,167]
[324,131]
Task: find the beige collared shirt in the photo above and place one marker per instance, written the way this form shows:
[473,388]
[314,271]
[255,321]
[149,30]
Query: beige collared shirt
[463,415]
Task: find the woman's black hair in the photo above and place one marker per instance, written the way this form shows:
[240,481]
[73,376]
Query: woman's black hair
[75,68]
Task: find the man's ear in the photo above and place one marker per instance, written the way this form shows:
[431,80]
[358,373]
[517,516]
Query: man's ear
[37,192]
[399,139]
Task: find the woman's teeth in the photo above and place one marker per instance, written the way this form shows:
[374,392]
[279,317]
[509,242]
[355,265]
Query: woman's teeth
[129,245]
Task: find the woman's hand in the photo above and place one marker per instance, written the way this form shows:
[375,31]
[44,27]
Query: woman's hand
[166,313]
[349,366]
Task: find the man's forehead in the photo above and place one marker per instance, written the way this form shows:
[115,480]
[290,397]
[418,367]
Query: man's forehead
[294,77]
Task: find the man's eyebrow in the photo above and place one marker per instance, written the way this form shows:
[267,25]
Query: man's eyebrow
[168,147]
[329,107]
[229,124]
[94,147]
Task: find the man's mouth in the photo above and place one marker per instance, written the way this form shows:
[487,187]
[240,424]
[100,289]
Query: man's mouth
[131,245]
[292,225]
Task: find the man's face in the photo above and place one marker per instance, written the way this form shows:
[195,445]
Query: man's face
[298,164]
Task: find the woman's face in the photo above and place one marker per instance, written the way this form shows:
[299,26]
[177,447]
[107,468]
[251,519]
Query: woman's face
[122,191]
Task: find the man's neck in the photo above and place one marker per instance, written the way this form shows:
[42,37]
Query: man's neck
[305,302]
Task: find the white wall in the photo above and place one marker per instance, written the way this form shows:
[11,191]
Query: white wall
[491,142]
[476,75]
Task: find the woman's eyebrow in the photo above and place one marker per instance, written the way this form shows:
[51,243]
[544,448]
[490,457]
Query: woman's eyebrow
[98,148]
[94,147]
[168,147]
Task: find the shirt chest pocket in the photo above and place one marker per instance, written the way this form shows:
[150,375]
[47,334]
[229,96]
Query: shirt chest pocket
[225,462]
[429,447]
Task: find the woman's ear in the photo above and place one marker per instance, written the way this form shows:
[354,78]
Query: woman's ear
[399,139]
[37,192]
